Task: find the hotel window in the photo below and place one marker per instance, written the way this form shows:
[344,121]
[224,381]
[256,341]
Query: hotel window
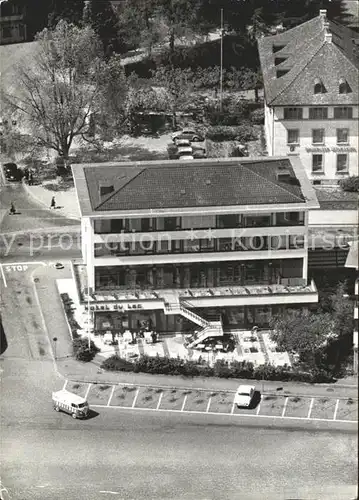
[318,136]
[293,113]
[207,245]
[342,135]
[227,221]
[317,163]
[342,163]
[293,136]
[318,113]
[343,112]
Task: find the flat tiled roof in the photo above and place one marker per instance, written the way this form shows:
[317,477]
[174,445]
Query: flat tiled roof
[188,184]
[308,56]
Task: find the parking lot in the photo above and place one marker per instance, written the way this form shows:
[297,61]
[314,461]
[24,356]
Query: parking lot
[136,397]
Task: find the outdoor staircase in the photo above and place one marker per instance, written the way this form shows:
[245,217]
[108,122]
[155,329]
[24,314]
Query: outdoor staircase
[208,328]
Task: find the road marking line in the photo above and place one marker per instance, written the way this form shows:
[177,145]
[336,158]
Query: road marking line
[159,401]
[88,390]
[25,263]
[112,391]
[209,404]
[232,409]
[65,384]
[226,414]
[258,409]
[310,408]
[3,275]
[336,410]
[136,396]
[184,402]
[110,492]
[285,406]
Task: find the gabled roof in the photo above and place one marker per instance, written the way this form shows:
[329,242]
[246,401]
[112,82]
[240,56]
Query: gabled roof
[188,184]
[310,53]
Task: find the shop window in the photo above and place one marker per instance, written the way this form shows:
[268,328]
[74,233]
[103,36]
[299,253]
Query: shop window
[317,163]
[342,163]
[342,135]
[318,136]
[293,113]
[318,113]
[293,136]
[343,112]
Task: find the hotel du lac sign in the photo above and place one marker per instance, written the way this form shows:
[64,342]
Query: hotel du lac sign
[334,149]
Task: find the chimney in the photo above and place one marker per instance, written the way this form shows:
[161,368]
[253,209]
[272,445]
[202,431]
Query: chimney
[105,189]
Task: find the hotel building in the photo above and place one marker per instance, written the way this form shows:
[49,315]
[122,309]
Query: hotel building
[310,76]
[209,244]
[12,23]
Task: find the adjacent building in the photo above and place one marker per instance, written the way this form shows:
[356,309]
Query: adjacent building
[310,76]
[204,244]
[12,23]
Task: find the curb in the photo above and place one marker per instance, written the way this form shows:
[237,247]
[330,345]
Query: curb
[228,391]
[41,202]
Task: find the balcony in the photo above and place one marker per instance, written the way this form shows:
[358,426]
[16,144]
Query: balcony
[288,291]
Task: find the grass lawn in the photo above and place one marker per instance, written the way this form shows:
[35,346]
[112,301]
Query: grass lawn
[196,400]
[77,388]
[297,407]
[272,405]
[221,402]
[124,396]
[323,408]
[148,397]
[348,409]
[172,399]
[99,394]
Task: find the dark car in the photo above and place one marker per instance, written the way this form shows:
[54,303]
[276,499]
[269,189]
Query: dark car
[12,172]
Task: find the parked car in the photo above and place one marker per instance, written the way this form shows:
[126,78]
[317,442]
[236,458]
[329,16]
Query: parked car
[184,150]
[244,395]
[200,153]
[183,142]
[186,157]
[189,134]
[12,172]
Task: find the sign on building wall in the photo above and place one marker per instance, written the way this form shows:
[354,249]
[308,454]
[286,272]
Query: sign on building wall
[334,149]
[115,307]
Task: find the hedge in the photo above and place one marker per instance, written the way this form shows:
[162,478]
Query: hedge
[238,369]
[68,303]
[350,184]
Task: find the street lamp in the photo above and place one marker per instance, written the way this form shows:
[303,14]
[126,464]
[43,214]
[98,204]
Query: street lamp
[55,340]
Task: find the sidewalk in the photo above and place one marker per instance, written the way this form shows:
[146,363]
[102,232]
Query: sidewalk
[92,373]
[66,200]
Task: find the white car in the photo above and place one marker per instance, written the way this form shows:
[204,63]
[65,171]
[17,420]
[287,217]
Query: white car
[183,142]
[186,157]
[184,150]
[244,395]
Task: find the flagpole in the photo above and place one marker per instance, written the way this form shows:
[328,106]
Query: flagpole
[221,75]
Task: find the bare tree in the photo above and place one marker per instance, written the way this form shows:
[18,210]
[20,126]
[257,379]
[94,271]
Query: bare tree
[60,88]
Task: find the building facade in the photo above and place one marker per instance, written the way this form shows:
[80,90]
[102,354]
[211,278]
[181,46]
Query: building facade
[310,76]
[12,23]
[209,244]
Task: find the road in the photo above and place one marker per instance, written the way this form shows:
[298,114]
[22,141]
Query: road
[29,214]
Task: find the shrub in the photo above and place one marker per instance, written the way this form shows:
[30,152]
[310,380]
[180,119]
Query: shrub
[257,116]
[117,364]
[82,351]
[350,184]
[242,133]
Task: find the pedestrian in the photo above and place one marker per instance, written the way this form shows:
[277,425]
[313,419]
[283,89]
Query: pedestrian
[12,209]
[53,202]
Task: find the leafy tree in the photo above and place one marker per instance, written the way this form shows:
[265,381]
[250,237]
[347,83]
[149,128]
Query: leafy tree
[350,184]
[60,87]
[100,15]
[178,86]
[65,10]
[302,332]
